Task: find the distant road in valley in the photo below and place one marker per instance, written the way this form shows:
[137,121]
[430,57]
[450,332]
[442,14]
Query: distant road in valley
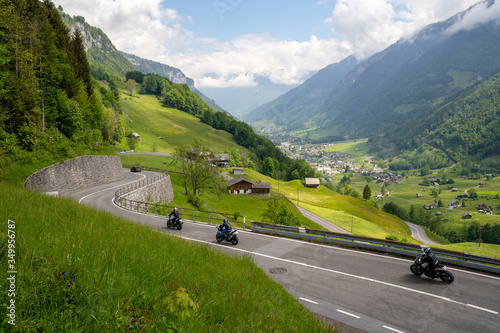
[322,222]
[419,234]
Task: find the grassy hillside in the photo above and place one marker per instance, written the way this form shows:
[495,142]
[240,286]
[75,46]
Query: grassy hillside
[249,206]
[339,209]
[169,128]
[94,272]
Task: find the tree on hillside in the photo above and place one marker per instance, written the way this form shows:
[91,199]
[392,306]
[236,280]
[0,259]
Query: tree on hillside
[195,162]
[276,212]
[367,192]
[268,167]
[131,86]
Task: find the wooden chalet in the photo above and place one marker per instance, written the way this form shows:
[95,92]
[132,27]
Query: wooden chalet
[466,216]
[238,171]
[240,185]
[419,195]
[430,206]
[454,204]
[312,182]
[261,188]
[221,160]
[462,196]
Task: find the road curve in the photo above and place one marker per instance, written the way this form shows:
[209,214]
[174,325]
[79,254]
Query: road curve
[364,291]
[419,234]
[322,222]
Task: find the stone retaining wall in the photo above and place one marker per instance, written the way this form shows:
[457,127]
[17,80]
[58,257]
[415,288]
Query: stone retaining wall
[76,173]
[159,191]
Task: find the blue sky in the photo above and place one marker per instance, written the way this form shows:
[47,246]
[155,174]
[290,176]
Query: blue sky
[297,20]
[230,43]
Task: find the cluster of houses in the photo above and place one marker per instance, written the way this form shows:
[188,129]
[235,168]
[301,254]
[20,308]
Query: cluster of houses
[483,208]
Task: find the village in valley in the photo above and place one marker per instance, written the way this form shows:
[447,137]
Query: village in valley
[439,194]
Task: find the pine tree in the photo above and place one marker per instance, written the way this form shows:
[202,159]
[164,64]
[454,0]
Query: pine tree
[367,192]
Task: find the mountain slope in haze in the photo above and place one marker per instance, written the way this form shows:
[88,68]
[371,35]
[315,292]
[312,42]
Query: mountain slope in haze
[410,79]
[302,99]
[102,55]
[173,74]
[469,126]
[404,83]
[239,101]
[105,59]
[148,66]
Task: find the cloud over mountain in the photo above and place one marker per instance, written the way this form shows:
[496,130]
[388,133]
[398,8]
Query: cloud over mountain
[157,30]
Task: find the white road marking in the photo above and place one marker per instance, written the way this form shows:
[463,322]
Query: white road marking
[349,314]
[392,329]
[346,274]
[313,244]
[109,188]
[307,300]
[479,308]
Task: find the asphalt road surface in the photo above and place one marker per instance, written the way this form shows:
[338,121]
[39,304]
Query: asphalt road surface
[360,290]
[418,233]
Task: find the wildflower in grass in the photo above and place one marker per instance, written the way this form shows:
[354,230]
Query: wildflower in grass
[70,282]
[64,273]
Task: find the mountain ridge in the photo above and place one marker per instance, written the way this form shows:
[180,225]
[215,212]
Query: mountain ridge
[404,83]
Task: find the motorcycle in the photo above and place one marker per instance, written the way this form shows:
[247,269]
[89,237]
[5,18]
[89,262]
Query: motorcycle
[173,222]
[230,236]
[440,271]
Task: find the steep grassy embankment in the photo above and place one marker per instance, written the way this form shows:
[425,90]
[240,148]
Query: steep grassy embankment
[169,128]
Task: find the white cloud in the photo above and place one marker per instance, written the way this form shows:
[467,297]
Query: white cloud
[369,26]
[240,61]
[148,29]
[479,14]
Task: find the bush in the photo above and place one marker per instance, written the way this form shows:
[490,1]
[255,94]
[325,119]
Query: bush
[196,201]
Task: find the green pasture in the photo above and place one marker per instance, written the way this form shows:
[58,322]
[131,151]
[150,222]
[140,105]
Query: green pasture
[251,206]
[169,128]
[487,250]
[322,199]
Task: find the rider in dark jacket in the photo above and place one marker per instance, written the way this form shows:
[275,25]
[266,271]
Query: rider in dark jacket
[175,213]
[226,227]
[429,260]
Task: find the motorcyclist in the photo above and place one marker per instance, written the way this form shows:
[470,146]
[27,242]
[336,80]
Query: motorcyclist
[429,260]
[175,214]
[226,227]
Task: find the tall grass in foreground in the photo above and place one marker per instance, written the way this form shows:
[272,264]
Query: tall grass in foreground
[83,270]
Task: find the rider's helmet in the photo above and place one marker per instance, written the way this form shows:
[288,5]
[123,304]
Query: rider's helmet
[427,250]
[175,208]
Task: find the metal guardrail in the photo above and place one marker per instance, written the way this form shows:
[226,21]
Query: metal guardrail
[163,210]
[451,257]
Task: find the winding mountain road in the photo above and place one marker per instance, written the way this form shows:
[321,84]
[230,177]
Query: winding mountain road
[358,291]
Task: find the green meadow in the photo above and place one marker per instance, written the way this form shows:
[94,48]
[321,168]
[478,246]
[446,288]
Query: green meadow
[339,209]
[168,128]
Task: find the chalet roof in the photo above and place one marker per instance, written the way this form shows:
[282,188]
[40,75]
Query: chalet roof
[312,181]
[221,157]
[261,185]
[238,180]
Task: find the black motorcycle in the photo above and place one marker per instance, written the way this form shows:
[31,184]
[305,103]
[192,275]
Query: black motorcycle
[174,222]
[440,271]
[230,236]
